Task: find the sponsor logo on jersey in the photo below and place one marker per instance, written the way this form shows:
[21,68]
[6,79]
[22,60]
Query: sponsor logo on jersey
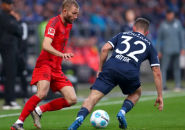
[139,36]
[51,31]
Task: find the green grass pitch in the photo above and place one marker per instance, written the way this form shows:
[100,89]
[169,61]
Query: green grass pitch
[144,116]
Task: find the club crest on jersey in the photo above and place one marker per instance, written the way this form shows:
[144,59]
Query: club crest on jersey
[46,75]
[51,31]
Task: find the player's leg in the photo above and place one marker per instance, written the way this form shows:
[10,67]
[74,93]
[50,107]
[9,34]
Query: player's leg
[61,84]
[87,107]
[177,72]
[164,66]
[128,104]
[92,100]
[42,90]
[102,86]
[65,87]
[68,100]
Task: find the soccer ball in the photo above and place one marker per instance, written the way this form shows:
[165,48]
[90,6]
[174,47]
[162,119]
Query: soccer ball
[99,119]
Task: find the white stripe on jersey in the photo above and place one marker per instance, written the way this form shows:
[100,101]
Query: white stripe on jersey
[155,64]
[111,43]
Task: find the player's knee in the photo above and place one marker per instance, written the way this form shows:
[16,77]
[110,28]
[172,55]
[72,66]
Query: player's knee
[42,95]
[72,101]
[138,91]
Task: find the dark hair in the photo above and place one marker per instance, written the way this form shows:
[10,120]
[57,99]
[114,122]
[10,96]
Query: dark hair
[142,24]
[169,11]
[7,1]
[69,3]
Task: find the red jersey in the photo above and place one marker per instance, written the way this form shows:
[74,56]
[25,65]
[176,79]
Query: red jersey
[56,30]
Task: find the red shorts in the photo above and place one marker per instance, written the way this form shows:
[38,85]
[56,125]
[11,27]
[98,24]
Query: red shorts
[57,78]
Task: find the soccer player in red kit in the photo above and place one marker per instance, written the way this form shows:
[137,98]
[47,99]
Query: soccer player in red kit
[47,73]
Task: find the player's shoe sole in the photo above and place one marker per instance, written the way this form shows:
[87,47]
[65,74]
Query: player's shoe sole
[122,120]
[36,119]
[77,123]
[16,127]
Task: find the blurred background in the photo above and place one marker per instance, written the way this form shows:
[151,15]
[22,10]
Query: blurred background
[97,22]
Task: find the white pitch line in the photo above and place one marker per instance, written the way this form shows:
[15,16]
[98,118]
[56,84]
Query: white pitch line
[108,103]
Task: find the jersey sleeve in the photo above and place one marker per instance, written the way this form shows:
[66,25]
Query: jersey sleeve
[51,29]
[153,56]
[113,41]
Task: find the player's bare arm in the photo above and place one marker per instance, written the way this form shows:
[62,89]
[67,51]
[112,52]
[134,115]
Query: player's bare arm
[103,56]
[49,48]
[158,82]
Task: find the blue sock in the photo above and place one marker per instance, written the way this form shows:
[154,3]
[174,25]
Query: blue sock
[83,112]
[127,105]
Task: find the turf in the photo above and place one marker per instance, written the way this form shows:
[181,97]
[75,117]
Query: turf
[144,116]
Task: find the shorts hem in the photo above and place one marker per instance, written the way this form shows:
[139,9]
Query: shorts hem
[35,82]
[97,89]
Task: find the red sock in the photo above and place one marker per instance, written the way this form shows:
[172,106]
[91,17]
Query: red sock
[29,107]
[55,104]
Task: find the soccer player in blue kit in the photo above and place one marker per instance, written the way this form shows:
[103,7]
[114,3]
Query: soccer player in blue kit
[122,68]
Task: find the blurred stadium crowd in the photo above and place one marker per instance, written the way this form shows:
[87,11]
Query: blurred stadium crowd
[102,13]
[108,12]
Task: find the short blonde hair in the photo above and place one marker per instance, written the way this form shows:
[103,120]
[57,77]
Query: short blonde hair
[69,3]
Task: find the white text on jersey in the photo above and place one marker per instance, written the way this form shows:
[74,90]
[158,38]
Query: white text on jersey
[123,58]
[137,35]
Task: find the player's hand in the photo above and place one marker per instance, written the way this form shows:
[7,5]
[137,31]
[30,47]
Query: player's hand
[182,52]
[66,56]
[159,55]
[160,101]
[98,73]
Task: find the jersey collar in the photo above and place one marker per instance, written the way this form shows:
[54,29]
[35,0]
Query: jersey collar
[139,33]
[62,21]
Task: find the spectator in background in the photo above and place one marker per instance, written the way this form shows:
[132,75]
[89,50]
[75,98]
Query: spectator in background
[97,18]
[22,55]
[39,9]
[171,34]
[174,5]
[42,25]
[130,19]
[10,32]
[29,16]
[91,55]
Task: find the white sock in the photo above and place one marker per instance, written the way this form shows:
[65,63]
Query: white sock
[38,110]
[18,122]
[123,112]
